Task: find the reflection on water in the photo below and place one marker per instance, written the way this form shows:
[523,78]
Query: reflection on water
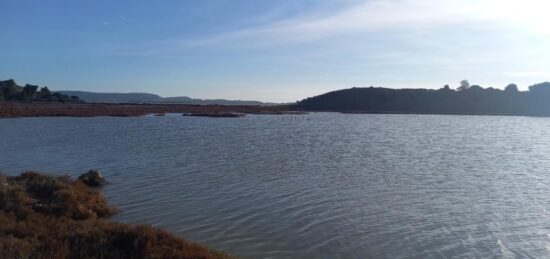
[320,185]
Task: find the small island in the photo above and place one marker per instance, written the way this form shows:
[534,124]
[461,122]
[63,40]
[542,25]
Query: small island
[44,216]
[217,114]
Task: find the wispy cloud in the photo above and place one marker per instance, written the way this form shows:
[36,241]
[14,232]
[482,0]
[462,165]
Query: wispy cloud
[405,15]
[364,17]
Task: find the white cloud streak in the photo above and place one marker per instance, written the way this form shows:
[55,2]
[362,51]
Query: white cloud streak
[403,17]
[399,15]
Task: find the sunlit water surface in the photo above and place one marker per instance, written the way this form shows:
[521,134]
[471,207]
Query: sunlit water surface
[319,185]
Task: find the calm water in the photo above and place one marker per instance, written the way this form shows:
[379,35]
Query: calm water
[320,185]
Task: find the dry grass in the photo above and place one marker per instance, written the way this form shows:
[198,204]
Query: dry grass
[15,110]
[55,217]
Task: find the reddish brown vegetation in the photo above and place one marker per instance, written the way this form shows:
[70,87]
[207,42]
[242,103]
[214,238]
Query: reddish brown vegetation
[14,110]
[56,217]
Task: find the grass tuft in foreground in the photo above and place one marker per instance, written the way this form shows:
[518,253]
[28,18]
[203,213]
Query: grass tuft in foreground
[56,217]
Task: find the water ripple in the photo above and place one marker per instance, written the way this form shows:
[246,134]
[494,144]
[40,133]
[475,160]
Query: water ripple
[319,186]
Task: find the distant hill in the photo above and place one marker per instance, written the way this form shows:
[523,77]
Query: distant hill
[114,97]
[468,100]
[152,98]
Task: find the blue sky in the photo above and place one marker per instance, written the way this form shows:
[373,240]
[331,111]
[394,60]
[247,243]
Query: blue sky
[267,50]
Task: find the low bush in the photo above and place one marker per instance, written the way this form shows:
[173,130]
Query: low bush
[56,217]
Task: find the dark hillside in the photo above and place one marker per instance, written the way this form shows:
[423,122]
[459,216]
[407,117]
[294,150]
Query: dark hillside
[473,100]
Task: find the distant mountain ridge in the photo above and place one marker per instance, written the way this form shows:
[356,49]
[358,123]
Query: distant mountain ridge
[95,97]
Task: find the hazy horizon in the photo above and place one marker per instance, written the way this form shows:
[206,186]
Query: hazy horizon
[270,51]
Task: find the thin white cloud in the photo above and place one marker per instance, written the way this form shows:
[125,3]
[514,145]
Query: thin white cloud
[407,18]
[400,15]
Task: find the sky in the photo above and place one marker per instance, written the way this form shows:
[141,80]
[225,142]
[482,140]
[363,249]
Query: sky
[277,51]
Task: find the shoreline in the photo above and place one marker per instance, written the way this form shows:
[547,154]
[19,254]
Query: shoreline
[24,110]
[59,217]
[20,110]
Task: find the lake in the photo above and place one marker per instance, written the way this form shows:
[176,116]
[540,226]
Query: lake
[323,185]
